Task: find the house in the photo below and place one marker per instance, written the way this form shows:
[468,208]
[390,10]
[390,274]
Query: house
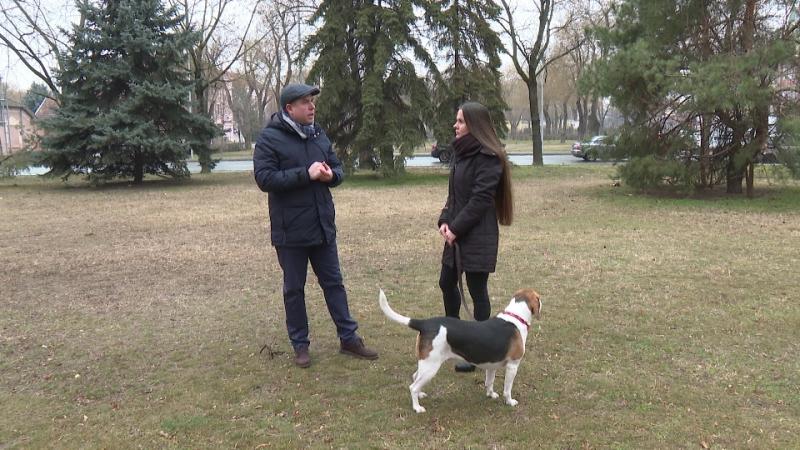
[16,125]
[46,108]
[22,122]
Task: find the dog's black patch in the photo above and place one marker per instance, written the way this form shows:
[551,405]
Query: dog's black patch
[477,342]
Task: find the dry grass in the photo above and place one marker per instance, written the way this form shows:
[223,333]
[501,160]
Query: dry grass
[134,316]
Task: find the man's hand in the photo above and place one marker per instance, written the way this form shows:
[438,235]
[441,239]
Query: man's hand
[320,171]
[327,173]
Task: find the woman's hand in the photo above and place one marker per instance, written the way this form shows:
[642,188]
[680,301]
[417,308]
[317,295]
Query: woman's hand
[448,235]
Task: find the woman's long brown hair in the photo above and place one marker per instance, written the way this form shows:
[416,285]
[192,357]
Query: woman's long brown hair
[479,123]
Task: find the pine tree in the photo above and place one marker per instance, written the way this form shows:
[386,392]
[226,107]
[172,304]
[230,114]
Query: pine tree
[471,49]
[373,101]
[35,95]
[696,80]
[125,95]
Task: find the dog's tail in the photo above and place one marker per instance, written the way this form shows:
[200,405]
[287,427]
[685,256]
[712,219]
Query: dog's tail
[396,317]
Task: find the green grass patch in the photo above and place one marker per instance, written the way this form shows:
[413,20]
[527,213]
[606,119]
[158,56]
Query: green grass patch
[151,316]
[784,197]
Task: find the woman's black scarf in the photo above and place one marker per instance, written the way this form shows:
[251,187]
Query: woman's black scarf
[466,146]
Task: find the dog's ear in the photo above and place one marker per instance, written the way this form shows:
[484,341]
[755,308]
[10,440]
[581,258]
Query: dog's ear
[537,308]
[533,299]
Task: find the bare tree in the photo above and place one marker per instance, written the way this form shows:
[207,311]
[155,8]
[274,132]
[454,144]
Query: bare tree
[576,64]
[33,30]
[515,95]
[270,64]
[530,57]
[559,92]
[586,51]
[225,29]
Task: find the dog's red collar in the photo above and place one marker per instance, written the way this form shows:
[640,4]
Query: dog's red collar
[524,322]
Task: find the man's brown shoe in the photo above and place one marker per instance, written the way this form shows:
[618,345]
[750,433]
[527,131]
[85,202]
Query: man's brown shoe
[357,349]
[301,356]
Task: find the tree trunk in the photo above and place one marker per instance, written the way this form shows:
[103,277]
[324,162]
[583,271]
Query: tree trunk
[579,106]
[388,166]
[138,167]
[748,32]
[734,182]
[548,122]
[204,159]
[592,122]
[759,143]
[514,121]
[733,175]
[564,121]
[705,152]
[536,126]
[204,152]
[750,179]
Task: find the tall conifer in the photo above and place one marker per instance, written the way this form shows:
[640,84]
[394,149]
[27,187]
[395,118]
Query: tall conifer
[471,50]
[373,101]
[124,110]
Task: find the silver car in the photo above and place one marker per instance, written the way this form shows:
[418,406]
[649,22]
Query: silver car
[596,147]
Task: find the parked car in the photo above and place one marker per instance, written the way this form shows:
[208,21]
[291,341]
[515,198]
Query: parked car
[594,148]
[442,151]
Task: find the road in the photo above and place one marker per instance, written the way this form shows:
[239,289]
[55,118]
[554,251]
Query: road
[417,161]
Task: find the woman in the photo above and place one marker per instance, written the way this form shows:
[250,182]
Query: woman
[479,196]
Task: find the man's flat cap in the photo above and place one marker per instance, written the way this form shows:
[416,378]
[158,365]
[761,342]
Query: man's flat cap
[292,92]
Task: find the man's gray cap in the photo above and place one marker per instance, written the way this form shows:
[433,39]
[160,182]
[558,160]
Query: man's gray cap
[292,92]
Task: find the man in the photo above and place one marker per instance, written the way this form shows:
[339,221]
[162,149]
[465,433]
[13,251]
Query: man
[295,164]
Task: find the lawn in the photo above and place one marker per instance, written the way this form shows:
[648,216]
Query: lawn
[512,146]
[136,317]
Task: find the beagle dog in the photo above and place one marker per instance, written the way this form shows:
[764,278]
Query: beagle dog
[491,344]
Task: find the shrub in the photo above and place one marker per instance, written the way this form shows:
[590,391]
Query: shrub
[648,173]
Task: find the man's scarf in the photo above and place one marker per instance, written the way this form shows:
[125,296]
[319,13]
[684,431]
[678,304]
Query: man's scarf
[305,131]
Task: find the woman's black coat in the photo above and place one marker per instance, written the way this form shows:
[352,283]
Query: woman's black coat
[470,209]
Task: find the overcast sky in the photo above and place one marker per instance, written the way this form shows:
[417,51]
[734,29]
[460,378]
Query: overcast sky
[13,72]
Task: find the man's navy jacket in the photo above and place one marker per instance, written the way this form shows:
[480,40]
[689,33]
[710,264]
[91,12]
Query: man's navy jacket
[301,211]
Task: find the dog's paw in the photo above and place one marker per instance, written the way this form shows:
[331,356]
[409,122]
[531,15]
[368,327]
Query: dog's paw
[492,394]
[422,395]
[511,402]
[419,409]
